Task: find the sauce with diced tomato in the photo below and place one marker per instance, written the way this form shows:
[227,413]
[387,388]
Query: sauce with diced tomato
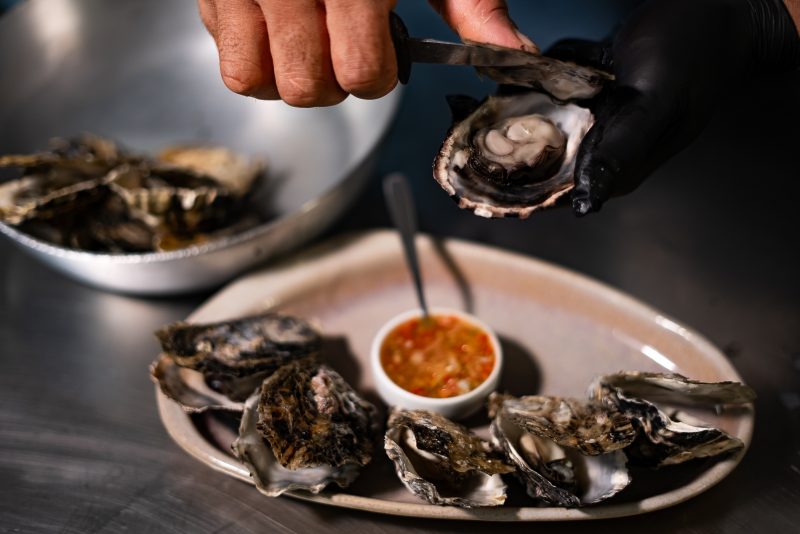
[437,356]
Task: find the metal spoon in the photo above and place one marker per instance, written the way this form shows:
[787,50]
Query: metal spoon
[400,202]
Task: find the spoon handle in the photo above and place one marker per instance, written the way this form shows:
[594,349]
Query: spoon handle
[400,202]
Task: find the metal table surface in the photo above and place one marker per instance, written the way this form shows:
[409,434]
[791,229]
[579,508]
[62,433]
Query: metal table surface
[711,239]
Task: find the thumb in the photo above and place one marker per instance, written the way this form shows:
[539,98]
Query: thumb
[633,134]
[483,21]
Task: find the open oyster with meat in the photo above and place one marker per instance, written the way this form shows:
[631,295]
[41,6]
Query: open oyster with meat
[512,155]
[88,194]
[574,452]
[443,462]
[568,452]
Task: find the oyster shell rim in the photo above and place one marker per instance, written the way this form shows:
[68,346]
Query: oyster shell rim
[400,435]
[444,156]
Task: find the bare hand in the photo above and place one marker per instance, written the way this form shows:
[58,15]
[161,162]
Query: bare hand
[316,52]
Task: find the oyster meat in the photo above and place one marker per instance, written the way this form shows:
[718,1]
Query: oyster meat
[233,356]
[664,439]
[443,462]
[304,429]
[568,452]
[510,155]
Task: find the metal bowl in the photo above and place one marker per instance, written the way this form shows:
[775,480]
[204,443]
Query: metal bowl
[145,74]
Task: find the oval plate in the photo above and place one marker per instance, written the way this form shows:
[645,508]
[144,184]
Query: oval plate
[558,330]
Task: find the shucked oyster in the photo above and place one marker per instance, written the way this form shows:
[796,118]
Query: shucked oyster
[305,428]
[567,451]
[670,439]
[443,462]
[510,155]
[234,356]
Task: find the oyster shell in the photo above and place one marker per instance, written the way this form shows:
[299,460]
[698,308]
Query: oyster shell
[67,178]
[666,440]
[233,171]
[188,388]
[442,461]
[304,429]
[86,193]
[567,452]
[176,201]
[47,197]
[561,79]
[510,155]
[672,388]
[233,356]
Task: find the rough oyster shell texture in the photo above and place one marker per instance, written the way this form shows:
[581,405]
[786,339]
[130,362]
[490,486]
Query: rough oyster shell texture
[304,429]
[510,155]
[443,462]
[664,439]
[232,356]
[567,451]
[88,194]
[561,79]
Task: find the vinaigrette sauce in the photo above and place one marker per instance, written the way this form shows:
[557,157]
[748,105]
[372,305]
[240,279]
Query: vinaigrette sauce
[438,356]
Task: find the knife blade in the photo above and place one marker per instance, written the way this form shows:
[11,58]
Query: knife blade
[560,79]
[413,50]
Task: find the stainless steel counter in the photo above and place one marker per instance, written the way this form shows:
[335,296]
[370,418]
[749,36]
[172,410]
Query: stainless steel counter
[711,239]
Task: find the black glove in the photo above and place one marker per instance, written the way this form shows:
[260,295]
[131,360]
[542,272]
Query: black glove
[672,59]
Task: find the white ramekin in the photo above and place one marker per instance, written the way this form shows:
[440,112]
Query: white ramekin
[456,407]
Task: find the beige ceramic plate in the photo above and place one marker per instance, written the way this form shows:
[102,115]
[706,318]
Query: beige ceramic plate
[558,330]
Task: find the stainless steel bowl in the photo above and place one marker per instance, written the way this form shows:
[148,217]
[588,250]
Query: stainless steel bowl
[145,74]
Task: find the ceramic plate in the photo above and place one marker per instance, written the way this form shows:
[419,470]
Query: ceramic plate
[558,330]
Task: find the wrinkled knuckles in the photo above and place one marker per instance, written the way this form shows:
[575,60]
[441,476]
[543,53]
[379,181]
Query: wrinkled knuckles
[243,78]
[303,91]
[366,80]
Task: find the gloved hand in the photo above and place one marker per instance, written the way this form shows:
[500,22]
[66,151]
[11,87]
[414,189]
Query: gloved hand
[316,52]
[672,60]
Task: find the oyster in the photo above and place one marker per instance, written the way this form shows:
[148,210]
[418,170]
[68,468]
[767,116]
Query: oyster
[233,171]
[234,356]
[67,178]
[510,155]
[443,462]
[666,440]
[304,429]
[172,201]
[561,79]
[672,388]
[86,193]
[567,452]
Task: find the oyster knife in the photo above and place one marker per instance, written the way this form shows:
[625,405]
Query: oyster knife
[560,79]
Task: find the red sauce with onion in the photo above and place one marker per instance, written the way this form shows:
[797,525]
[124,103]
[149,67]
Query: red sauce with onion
[438,356]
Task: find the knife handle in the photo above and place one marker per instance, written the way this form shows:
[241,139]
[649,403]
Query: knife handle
[399,38]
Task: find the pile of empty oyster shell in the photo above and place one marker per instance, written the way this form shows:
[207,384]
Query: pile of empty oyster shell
[303,427]
[88,194]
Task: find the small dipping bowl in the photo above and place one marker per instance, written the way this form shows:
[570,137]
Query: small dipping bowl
[456,407]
